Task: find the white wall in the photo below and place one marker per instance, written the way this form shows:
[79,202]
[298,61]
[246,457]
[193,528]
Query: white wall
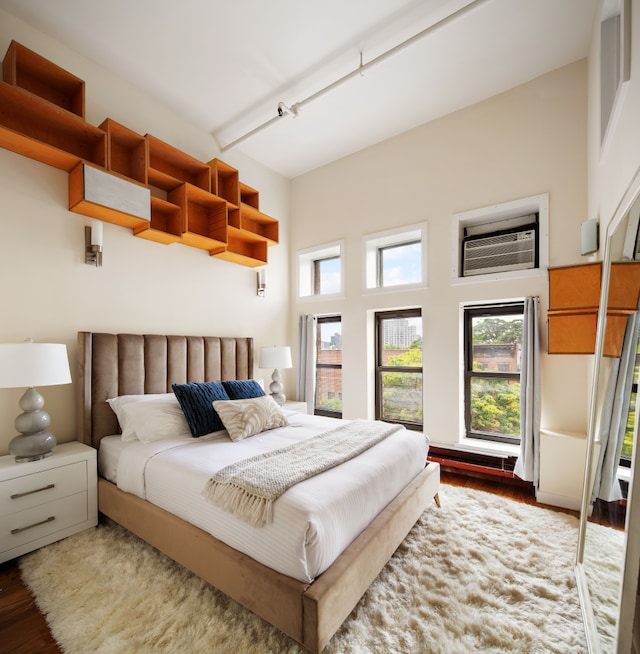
[610,175]
[525,142]
[47,291]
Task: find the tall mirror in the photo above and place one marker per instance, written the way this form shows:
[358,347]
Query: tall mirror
[608,554]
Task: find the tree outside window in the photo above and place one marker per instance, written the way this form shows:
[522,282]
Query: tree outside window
[493,343]
[399,367]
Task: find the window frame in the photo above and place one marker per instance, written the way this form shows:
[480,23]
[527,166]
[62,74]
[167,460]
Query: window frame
[325,366]
[471,311]
[372,245]
[307,266]
[379,369]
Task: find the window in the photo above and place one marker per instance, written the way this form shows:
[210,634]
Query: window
[328,401]
[492,350]
[399,367]
[320,271]
[326,276]
[627,445]
[396,258]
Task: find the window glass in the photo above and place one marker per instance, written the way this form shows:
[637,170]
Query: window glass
[327,276]
[493,349]
[627,445]
[328,399]
[399,367]
[400,264]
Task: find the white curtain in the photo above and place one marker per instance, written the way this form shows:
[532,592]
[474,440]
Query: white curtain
[528,463]
[307,330]
[613,421]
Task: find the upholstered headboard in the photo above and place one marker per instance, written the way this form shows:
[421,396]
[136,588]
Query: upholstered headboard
[129,364]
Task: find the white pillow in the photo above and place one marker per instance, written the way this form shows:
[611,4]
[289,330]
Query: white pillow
[157,420]
[118,404]
[244,418]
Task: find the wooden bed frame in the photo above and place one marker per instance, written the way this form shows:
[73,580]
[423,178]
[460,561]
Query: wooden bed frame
[124,364]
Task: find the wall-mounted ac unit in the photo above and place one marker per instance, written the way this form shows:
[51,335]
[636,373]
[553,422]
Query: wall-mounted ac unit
[500,251]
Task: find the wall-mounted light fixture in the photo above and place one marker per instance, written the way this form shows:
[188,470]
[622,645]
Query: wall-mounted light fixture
[262,282]
[93,243]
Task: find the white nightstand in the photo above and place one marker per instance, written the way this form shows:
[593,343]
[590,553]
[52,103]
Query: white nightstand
[44,501]
[300,407]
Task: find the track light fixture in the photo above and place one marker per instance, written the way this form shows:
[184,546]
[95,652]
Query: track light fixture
[283,110]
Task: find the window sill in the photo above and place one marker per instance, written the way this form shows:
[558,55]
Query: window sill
[624,474]
[487,447]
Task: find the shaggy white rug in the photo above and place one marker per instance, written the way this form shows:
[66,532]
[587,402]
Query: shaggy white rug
[480,574]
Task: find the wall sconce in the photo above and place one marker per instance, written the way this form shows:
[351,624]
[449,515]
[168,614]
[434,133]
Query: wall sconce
[93,243]
[262,281]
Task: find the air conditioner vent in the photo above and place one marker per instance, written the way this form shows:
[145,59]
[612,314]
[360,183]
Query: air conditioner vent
[499,252]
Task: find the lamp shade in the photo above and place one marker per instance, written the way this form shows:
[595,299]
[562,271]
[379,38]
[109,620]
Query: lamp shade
[33,364]
[275,357]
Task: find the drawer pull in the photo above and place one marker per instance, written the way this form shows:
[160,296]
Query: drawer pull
[19,530]
[37,490]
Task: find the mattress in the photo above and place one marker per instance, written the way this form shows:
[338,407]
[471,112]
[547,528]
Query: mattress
[313,522]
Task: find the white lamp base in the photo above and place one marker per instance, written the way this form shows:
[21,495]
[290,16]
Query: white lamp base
[34,442]
[276,388]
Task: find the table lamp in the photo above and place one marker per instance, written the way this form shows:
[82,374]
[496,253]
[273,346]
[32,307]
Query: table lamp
[276,357]
[33,364]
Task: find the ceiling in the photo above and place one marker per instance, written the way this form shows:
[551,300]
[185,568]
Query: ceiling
[226,65]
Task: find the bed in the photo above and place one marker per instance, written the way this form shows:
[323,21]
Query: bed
[310,612]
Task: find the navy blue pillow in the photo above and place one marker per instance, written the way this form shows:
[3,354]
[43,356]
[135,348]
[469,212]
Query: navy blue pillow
[196,400]
[243,389]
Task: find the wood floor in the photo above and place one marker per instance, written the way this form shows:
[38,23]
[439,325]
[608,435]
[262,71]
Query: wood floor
[23,629]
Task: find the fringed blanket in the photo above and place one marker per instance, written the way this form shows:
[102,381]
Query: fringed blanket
[249,487]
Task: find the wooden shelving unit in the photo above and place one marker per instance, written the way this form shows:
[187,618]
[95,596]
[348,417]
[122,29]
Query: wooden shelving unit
[204,217]
[47,133]
[169,167]
[24,68]
[97,193]
[127,152]
[574,298]
[203,205]
[225,182]
[165,225]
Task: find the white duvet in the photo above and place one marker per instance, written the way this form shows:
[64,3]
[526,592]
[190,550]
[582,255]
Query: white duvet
[314,521]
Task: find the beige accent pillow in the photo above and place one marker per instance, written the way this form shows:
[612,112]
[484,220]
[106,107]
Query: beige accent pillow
[244,418]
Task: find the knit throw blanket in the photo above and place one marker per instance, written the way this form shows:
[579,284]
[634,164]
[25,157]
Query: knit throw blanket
[249,487]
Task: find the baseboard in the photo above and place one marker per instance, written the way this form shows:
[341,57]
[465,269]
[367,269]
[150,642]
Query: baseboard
[561,501]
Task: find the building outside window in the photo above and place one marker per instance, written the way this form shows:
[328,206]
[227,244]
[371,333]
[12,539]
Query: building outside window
[399,367]
[492,353]
[328,400]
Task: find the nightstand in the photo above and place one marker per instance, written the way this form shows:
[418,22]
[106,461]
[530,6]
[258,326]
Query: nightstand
[46,500]
[300,407]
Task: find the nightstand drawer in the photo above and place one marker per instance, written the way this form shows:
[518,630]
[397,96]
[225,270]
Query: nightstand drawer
[42,520]
[34,489]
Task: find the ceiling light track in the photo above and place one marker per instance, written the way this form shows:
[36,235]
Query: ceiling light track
[283,111]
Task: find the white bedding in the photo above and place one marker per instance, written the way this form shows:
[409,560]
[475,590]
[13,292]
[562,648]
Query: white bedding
[314,521]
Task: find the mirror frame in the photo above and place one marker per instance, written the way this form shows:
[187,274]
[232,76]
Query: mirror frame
[629,198]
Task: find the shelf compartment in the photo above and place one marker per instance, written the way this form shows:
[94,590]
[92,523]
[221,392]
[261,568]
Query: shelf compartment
[574,332]
[33,73]
[170,167]
[204,217]
[126,151]
[225,182]
[259,224]
[249,252]
[249,196]
[165,225]
[99,194]
[42,131]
